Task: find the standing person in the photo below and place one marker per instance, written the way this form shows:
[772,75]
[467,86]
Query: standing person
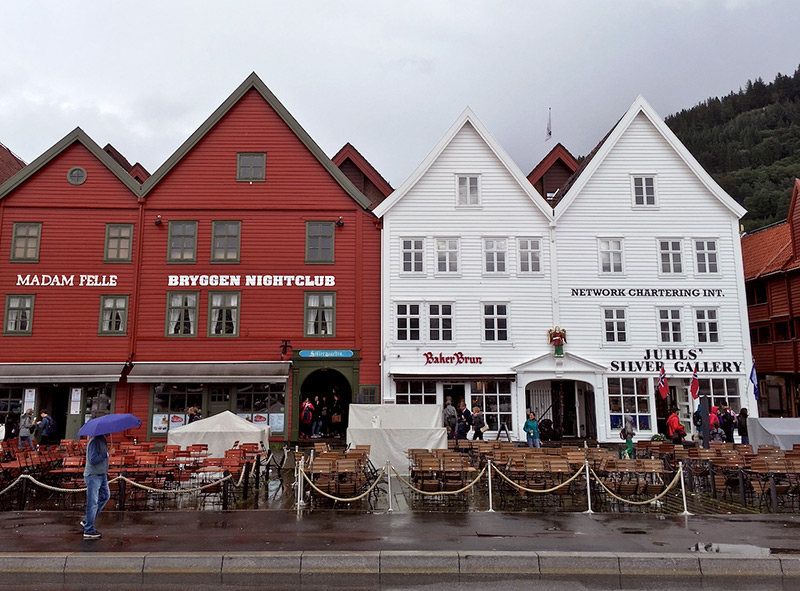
[727,420]
[531,428]
[316,419]
[193,415]
[478,424]
[26,429]
[743,427]
[675,428]
[337,417]
[464,421]
[306,418]
[12,426]
[325,415]
[47,427]
[95,475]
[629,435]
[449,418]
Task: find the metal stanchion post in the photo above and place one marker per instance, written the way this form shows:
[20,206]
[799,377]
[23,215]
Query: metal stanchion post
[489,472]
[683,490]
[588,489]
[300,502]
[389,476]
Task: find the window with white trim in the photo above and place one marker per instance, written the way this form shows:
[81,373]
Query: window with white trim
[629,396]
[670,254]
[440,322]
[530,255]
[468,192]
[447,255]
[493,397]
[610,255]
[706,254]
[408,321]
[614,325]
[413,255]
[669,325]
[415,392]
[707,323]
[495,322]
[494,255]
[644,191]
[723,392]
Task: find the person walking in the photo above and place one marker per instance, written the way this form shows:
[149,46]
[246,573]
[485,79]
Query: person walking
[306,419]
[675,428]
[316,419]
[449,418]
[464,421]
[629,435]
[531,428]
[478,424]
[95,475]
[743,427]
[47,427]
[26,429]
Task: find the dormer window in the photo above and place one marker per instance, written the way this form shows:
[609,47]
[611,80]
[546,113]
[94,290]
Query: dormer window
[251,166]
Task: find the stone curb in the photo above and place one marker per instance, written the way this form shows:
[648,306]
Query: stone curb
[243,567]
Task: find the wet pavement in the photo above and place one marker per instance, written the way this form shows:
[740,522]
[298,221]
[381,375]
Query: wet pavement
[258,531]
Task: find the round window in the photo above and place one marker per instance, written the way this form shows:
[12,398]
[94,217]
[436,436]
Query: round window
[76,175]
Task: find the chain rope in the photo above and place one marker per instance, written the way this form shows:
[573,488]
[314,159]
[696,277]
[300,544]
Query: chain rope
[542,491]
[678,476]
[441,492]
[350,500]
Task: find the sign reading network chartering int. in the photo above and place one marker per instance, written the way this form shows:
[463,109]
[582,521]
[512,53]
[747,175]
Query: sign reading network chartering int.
[326,353]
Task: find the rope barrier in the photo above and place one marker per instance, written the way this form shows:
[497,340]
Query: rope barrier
[547,490]
[330,496]
[441,492]
[678,475]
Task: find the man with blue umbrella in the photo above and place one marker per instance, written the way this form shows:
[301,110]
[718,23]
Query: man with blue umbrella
[95,475]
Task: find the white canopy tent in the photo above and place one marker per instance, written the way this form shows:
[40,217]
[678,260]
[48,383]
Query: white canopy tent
[782,433]
[390,430]
[219,432]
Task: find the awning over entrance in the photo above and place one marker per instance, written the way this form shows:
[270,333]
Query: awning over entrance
[455,377]
[258,372]
[57,373]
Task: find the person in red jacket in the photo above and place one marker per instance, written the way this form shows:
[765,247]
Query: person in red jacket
[675,428]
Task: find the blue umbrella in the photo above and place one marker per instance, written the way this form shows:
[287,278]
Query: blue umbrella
[109,424]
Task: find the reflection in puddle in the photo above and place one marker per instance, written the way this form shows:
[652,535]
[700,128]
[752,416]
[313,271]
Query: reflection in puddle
[734,549]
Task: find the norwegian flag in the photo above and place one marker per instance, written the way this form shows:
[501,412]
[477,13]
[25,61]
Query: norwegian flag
[663,387]
[694,387]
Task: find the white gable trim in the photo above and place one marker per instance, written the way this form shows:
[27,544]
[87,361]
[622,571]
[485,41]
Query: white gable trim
[467,116]
[547,362]
[640,105]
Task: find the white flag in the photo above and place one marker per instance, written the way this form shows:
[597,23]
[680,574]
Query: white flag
[549,133]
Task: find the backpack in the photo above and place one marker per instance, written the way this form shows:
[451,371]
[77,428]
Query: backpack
[50,428]
[697,419]
[623,434]
[727,421]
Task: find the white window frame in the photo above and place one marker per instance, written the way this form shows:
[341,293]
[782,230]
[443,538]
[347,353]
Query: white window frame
[414,252]
[452,256]
[605,250]
[671,272]
[702,326]
[494,317]
[644,176]
[408,318]
[615,321]
[530,255]
[670,320]
[706,255]
[440,316]
[495,254]
[472,199]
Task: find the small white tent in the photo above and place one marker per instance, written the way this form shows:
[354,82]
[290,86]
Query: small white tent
[783,433]
[219,432]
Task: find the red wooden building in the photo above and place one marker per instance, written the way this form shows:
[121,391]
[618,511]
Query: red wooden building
[250,277]
[772,279]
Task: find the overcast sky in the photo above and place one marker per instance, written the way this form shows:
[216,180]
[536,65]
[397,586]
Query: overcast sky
[389,77]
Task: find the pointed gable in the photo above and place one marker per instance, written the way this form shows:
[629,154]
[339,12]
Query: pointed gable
[467,119]
[641,108]
[10,164]
[552,172]
[252,119]
[362,174]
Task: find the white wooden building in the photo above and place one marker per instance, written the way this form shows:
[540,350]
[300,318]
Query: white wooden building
[639,263]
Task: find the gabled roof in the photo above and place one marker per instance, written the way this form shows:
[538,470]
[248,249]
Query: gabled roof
[253,82]
[348,152]
[772,249]
[590,165]
[10,164]
[79,136]
[559,152]
[466,117]
[137,171]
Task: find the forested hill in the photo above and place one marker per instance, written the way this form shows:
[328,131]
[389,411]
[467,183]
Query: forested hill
[749,141]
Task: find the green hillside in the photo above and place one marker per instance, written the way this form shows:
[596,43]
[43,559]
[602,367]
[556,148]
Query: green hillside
[749,141]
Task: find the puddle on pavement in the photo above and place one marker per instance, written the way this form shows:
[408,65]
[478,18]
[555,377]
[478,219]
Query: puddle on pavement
[743,550]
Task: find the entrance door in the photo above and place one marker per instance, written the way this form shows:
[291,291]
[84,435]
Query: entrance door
[333,391]
[54,399]
[219,400]
[683,401]
[455,392]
